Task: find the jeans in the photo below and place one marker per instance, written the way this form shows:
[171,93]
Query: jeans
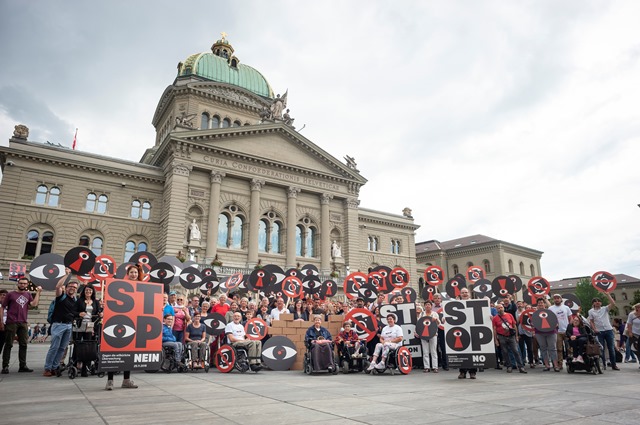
[60,335]
[547,343]
[608,338]
[442,350]
[525,341]
[508,346]
[628,354]
[10,331]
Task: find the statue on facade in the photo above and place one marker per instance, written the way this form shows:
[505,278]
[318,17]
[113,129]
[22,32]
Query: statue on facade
[336,251]
[185,120]
[265,114]
[278,105]
[194,231]
[21,131]
[407,212]
[351,162]
[287,118]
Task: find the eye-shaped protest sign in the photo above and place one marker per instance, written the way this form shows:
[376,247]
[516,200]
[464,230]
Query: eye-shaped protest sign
[517,282]
[604,281]
[143,257]
[571,301]
[328,290]
[544,320]
[214,323]
[132,329]
[426,328]
[502,286]
[428,292]
[162,273]
[279,353]
[482,288]
[190,278]
[46,270]
[259,280]
[383,285]
[80,260]
[209,281]
[454,285]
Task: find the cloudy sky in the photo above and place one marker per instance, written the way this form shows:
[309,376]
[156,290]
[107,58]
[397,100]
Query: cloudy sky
[518,120]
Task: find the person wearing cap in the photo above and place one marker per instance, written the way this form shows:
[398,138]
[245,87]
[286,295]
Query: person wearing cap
[360,302]
[563,313]
[601,324]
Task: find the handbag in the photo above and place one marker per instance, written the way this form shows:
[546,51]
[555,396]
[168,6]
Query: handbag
[512,332]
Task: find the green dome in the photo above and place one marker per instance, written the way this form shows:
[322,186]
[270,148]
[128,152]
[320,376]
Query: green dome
[216,68]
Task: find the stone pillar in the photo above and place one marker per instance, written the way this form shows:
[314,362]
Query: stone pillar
[352,238]
[173,224]
[214,211]
[325,233]
[292,204]
[254,221]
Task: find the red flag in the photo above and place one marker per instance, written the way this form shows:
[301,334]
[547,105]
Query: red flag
[75,137]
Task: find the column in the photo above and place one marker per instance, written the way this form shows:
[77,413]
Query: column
[254,221]
[214,211]
[325,233]
[292,203]
[351,239]
[173,224]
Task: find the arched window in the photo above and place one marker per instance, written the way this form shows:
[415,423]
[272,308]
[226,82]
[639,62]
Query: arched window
[44,196]
[204,121]
[395,246]
[215,121]
[487,266]
[237,123]
[90,205]
[146,210]
[624,296]
[96,203]
[521,268]
[226,123]
[223,230]
[84,240]
[92,239]
[54,196]
[132,246]
[369,244]
[140,209]
[532,270]
[456,269]
[262,236]
[135,209]
[236,232]
[102,204]
[96,246]
[372,244]
[306,240]
[310,242]
[37,243]
[375,243]
[41,194]
[299,232]
[275,237]
[510,266]
[269,233]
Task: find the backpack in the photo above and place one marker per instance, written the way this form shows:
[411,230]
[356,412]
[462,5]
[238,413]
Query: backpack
[52,307]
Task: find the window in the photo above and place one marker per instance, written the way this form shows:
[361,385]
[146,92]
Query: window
[269,233]
[215,121]
[510,266]
[140,209]
[306,238]
[613,295]
[44,196]
[624,296]
[133,246]
[226,123]
[395,246]
[231,228]
[521,268]
[487,266]
[237,123]
[372,243]
[299,231]
[96,246]
[204,121]
[93,240]
[37,243]
[310,242]
[456,269]
[96,203]
[532,270]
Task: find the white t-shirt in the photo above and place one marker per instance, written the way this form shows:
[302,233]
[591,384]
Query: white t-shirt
[601,318]
[236,330]
[392,332]
[275,313]
[563,313]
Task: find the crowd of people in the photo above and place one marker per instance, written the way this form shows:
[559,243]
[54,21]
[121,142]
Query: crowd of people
[79,315]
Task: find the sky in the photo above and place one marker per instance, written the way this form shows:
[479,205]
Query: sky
[518,120]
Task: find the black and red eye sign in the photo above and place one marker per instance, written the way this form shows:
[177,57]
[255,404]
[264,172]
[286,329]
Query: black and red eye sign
[517,283]
[177,266]
[502,286]
[571,301]
[259,280]
[292,287]
[46,270]
[544,320]
[604,281]
[160,273]
[428,292]
[475,273]
[538,286]
[528,299]
[384,286]
[293,272]
[209,281]
[279,353]
[328,290]
[256,329]
[458,339]
[404,360]
[368,292]
[311,285]
[80,260]
[364,322]
[482,288]
[232,282]
[525,320]
[143,257]
[132,328]
[454,285]
[190,278]
[104,268]
[434,275]
[409,295]
[225,359]
[352,284]
[214,323]
[309,271]
[398,278]
[426,328]
[277,274]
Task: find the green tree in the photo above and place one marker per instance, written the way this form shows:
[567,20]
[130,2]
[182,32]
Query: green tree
[636,298]
[586,292]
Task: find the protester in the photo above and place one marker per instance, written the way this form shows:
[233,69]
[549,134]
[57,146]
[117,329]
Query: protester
[278,310]
[505,335]
[465,295]
[181,318]
[169,339]
[298,311]
[577,335]
[430,346]
[196,339]
[633,329]
[525,337]
[601,324]
[64,313]
[238,338]
[547,341]
[221,307]
[348,340]
[390,338]
[563,313]
[86,313]
[3,319]
[442,349]
[16,305]
[318,340]
[166,307]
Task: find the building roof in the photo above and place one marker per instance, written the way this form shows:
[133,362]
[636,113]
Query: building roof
[572,282]
[434,245]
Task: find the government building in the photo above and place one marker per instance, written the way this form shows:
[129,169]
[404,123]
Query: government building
[227,178]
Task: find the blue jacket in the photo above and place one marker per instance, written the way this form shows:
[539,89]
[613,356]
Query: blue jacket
[312,334]
[167,334]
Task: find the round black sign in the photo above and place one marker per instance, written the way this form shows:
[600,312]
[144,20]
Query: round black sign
[279,353]
[46,270]
[80,260]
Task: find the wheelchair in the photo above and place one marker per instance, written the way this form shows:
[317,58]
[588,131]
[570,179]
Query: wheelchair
[169,363]
[191,363]
[591,358]
[350,360]
[309,367]
[399,359]
[228,357]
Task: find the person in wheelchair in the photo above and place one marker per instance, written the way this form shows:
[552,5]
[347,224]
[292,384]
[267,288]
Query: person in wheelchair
[348,343]
[577,335]
[238,339]
[169,340]
[390,339]
[196,339]
[318,342]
